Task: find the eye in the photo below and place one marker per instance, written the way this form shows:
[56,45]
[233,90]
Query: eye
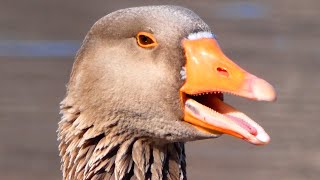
[146,40]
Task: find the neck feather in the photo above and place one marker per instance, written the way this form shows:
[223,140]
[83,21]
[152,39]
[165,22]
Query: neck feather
[87,152]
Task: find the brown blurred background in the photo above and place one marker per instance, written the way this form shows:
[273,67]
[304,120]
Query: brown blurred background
[278,41]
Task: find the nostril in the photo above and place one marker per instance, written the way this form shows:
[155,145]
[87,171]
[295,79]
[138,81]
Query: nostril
[222,71]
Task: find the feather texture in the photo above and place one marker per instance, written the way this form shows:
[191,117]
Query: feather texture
[91,154]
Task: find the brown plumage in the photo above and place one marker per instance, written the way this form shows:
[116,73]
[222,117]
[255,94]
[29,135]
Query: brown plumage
[122,116]
[115,120]
[90,153]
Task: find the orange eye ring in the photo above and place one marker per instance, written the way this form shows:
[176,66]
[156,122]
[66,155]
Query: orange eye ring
[146,40]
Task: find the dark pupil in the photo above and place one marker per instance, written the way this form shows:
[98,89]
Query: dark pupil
[145,40]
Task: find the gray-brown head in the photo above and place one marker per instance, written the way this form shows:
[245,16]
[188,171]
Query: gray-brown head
[131,101]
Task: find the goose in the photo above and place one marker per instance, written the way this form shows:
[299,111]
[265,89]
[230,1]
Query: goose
[145,81]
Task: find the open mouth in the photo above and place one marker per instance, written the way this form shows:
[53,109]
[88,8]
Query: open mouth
[208,112]
[208,74]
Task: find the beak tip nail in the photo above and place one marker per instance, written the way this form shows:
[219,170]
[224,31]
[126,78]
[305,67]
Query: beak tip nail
[264,138]
[263,91]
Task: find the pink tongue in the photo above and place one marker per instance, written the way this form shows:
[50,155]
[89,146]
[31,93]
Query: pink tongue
[243,124]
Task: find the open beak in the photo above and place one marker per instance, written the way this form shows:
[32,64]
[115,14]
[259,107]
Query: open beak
[209,74]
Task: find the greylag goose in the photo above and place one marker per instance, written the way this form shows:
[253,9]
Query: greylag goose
[145,81]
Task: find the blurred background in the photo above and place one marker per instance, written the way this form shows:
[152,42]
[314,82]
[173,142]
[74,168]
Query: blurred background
[276,40]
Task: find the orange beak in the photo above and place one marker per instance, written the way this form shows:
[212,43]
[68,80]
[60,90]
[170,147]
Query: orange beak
[209,73]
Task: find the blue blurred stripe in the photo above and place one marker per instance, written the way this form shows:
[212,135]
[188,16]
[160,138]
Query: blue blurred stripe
[242,10]
[41,48]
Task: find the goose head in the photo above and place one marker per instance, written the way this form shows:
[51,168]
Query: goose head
[157,73]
